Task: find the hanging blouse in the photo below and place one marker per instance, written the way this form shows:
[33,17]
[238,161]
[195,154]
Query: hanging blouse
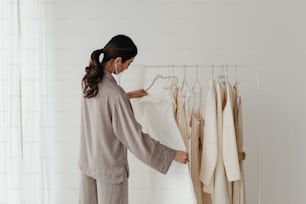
[158,121]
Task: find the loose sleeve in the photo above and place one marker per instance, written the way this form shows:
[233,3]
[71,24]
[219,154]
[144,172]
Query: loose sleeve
[129,132]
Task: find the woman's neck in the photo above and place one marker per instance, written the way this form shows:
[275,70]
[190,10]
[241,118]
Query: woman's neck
[108,68]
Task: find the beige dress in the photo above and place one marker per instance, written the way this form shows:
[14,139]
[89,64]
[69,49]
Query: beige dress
[108,130]
[238,186]
[197,124]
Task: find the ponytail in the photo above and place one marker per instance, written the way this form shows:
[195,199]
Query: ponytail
[94,75]
[119,46]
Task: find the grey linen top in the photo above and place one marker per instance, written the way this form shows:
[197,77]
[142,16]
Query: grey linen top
[108,129]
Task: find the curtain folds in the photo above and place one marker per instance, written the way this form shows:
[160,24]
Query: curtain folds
[25,143]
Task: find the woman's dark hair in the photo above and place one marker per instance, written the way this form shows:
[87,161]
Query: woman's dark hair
[119,46]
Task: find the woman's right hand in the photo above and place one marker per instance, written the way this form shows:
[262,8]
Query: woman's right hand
[137,93]
[181,157]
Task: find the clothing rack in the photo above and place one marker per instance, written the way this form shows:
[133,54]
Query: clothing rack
[225,68]
[213,67]
[202,66]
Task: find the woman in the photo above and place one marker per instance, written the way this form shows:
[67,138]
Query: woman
[109,128]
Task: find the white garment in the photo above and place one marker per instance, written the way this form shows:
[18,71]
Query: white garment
[156,113]
[210,144]
[227,165]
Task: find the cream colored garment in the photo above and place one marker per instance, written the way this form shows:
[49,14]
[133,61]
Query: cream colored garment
[210,142]
[227,166]
[183,118]
[108,129]
[230,153]
[238,186]
[220,194]
[157,119]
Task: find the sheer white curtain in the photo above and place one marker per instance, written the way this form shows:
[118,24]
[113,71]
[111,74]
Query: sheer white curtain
[25,157]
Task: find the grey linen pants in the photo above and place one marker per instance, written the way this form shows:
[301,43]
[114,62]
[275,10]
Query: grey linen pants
[93,191]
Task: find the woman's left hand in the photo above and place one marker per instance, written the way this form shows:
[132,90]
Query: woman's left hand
[137,93]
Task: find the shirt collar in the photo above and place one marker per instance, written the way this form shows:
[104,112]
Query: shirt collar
[110,76]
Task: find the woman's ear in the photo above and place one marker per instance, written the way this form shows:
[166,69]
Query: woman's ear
[118,60]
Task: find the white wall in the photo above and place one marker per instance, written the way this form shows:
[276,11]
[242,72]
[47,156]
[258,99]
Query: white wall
[267,35]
